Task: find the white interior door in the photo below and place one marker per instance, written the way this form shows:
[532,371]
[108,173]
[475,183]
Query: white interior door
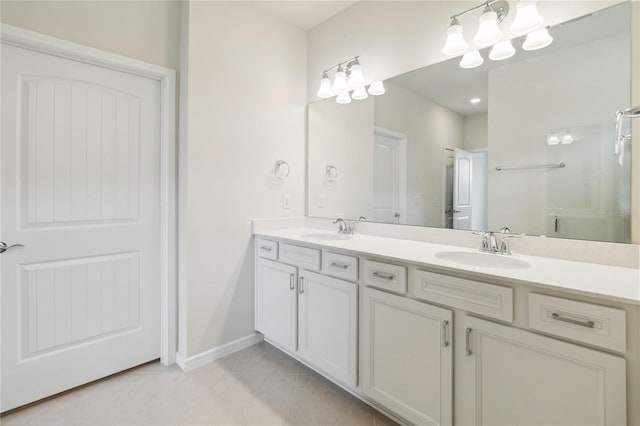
[389,177]
[80,189]
[462,186]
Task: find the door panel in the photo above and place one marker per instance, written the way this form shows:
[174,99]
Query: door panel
[276,303]
[328,324]
[462,186]
[389,178]
[80,189]
[545,381]
[406,357]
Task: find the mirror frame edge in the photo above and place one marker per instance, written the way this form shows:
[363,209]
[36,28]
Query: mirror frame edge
[635,126]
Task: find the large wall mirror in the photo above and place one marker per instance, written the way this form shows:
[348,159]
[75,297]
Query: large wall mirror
[525,143]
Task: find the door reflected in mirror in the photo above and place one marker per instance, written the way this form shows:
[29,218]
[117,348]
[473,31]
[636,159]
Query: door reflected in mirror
[525,143]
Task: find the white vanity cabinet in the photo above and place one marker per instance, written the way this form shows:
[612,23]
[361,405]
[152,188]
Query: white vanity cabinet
[276,301]
[383,329]
[328,325]
[311,315]
[406,357]
[515,377]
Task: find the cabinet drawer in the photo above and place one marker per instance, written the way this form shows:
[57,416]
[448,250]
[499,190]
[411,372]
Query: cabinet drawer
[267,249]
[489,300]
[385,276]
[340,265]
[584,322]
[303,257]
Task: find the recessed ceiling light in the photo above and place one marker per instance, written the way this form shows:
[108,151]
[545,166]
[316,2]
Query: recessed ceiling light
[474,100]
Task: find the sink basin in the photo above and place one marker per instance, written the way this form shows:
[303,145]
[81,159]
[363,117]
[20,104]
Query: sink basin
[483,260]
[327,236]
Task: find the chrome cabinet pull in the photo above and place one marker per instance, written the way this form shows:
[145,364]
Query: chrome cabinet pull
[4,247]
[292,281]
[383,275]
[467,341]
[265,248]
[301,285]
[445,333]
[556,316]
[339,265]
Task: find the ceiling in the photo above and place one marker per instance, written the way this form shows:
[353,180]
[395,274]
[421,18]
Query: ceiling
[447,84]
[306,14]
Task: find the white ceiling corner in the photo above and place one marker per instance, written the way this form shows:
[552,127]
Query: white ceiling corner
[306,14]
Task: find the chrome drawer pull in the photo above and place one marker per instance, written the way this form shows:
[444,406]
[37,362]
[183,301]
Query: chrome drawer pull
[558,317]
[301,285]
[468,341]
[445,333]
[339,265]
[266,248]
[383,275]
[292,281]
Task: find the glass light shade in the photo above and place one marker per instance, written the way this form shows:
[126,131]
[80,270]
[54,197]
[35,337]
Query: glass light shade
[376,88]
[552,140]
[567,139]
[340,84]
[455,44]
[488,31]
[356,77]
[359,93]
[527,17]
[343,98]
[537,40]
[325,87]
[502,50]
[471,60]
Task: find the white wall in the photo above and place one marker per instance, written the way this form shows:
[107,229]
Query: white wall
[341,136]
[144,30]
[527,101]
[429,127]
[475,132]
[246,109]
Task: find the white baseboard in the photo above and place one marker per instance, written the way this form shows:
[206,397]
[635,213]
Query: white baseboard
[218,352]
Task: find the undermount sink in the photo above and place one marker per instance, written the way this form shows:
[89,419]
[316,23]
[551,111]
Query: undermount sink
[483,260]
[327,236]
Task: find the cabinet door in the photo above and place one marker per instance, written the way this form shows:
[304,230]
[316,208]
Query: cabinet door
[276,302]
[406,357]
[328,325]
[514,377]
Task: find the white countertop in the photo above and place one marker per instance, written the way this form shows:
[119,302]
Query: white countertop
[589,279]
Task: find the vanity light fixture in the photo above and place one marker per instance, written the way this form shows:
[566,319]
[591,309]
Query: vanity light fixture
[502,50]
[567,139]
[376,88]
[527,21]
[488,31]
[538,39]
[360,93]
[494,11]
[475,100]
[340,84]
[455,44]
[325,90]
[471,59]
[343,98]
[348,77]
[552,139]
[527,18]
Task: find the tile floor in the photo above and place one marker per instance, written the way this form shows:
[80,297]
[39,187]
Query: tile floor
[257,386]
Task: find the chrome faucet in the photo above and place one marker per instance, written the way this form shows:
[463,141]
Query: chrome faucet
[343,226]
[489,243]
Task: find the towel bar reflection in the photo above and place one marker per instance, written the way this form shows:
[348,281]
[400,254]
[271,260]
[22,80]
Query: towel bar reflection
[532,166]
